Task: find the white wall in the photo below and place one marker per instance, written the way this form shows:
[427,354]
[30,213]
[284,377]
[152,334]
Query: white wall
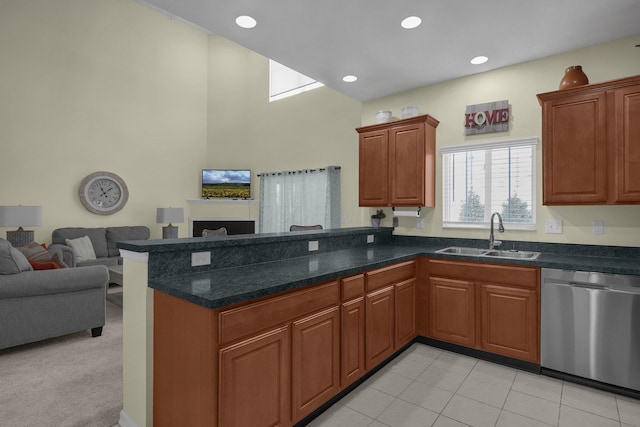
[520,84]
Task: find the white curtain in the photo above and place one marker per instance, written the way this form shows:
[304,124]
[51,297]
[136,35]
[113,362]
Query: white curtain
[306,197]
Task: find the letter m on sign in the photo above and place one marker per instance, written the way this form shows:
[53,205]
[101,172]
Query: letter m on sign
[487,118]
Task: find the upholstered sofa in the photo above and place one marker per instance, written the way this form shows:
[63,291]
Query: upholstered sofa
[103,241]
[41,304]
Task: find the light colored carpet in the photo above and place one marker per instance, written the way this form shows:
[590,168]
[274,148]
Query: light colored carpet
[70,381]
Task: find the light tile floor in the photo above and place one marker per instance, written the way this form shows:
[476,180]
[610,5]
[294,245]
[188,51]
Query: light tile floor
[425,386]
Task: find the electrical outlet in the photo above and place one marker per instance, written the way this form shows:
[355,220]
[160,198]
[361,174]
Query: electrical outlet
[420,223]
[395,221]
[313,245]
[598,227]
[370,238]
[200,258]
[554,226]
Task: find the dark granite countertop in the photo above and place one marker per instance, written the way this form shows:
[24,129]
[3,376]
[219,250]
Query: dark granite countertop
[226,286]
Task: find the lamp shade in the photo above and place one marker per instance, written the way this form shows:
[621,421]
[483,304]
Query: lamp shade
[170,215]
[20,216]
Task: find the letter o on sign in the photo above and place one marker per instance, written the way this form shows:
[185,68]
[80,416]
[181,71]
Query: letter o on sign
[480,118]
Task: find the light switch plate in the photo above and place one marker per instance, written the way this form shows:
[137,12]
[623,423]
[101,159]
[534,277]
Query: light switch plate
[313,245]
[598,227]
[554,226]
[200,258]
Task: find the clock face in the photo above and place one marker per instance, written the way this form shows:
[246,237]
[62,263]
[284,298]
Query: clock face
[103,193]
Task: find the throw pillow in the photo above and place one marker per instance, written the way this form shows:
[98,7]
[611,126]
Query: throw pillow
[59,262]
[34,251]
[12,261]
[43,265]
[82,248]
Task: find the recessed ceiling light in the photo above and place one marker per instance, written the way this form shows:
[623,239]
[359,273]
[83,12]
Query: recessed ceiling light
[411,22]
[245,21]
[349,79]
[479,60]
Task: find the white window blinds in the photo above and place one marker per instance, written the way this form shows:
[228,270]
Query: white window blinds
[480,179]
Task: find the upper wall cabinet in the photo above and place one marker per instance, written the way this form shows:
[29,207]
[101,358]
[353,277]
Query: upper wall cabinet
[591,144]
[397,162]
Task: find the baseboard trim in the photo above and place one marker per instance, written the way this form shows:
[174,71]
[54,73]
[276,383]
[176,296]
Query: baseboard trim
[126,421]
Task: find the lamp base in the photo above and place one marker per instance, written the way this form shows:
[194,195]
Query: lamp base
[170,232]
[20,237]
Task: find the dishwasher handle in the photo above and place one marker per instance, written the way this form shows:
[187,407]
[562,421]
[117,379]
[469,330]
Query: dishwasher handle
[589,286]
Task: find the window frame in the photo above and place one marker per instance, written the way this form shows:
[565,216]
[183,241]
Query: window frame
[484,147]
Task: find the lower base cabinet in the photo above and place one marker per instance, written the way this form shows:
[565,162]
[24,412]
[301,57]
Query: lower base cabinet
[405,308]
[379,319]
[315,361]
[452,311]
[254,381]
[495,308]
[352,339]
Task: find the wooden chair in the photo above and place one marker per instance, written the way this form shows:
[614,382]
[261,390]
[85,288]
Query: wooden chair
[305,227]
[217,232]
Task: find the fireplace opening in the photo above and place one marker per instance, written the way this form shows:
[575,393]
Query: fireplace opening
[232,226]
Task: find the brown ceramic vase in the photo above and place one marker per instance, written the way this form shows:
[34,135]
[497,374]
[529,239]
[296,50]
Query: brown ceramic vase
[573,76]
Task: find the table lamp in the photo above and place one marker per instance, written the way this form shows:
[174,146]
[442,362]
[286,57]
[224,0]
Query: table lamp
[170,215]
[20,216]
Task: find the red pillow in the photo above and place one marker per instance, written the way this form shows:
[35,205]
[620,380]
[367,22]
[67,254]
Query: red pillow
[46,265]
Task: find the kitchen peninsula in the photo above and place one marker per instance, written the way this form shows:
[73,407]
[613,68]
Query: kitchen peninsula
[195,336]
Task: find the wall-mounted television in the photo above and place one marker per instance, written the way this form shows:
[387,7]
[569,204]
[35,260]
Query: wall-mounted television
[226,183]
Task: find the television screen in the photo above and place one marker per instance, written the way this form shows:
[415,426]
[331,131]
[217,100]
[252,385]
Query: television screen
[227,183]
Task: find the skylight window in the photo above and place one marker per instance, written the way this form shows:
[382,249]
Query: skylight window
[285,82]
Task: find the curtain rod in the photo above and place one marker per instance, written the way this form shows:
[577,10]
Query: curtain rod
[298,171]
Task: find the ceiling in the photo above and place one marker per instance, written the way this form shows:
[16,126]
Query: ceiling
[328,39]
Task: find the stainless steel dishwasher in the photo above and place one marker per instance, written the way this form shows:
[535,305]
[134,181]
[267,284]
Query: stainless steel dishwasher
[590,326]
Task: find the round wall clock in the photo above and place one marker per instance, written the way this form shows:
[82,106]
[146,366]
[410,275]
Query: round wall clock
[103,193]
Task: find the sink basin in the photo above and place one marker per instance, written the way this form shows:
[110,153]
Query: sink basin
[512,254]
[456,250]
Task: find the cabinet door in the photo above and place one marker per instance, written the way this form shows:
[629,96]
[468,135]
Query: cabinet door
[405,311]
[255,381]
[406,165]
[509,321]
[379,319]
[574,150]
[373,172]
[452,311]
[315,361]
[352,366]
[627,128]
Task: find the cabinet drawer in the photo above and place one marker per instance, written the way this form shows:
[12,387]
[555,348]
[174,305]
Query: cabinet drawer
[252,318]
[352,287]
[500,274]
[382,277]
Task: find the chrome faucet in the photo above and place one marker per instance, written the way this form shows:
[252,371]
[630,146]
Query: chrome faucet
[493,243]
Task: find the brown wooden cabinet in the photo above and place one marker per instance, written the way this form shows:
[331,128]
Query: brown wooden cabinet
[379,319]
[452,310]
[509,321]
[254,381]
[397,163]
[491,307]
[352,324]
[591,144]
[315,361]
[405,308]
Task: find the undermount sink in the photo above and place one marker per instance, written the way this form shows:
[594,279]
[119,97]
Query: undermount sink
[457,250]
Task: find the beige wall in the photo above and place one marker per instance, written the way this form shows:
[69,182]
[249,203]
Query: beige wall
[117,86]
[99,85]
[310,130]
[520,84]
